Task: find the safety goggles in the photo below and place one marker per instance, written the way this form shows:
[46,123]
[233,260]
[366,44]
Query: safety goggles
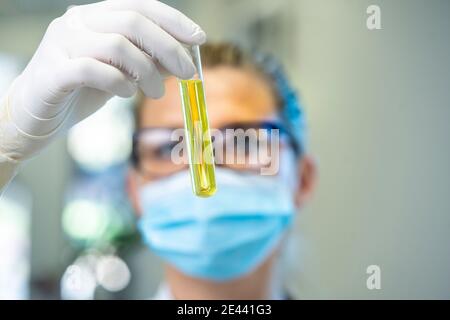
[160,152]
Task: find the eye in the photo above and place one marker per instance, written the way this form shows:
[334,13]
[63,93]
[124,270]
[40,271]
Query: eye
[164,151]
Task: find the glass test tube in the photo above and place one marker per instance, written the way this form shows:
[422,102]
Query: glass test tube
[197,133]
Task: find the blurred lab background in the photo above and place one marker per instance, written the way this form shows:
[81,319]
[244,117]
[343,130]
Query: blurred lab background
[378,106]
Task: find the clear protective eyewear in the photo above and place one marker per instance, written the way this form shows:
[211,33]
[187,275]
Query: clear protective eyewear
[160,152]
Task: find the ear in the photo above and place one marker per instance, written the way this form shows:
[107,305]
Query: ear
[307,171]
[132,187]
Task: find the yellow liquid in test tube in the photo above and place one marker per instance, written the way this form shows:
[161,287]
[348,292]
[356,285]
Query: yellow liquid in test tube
[198,137]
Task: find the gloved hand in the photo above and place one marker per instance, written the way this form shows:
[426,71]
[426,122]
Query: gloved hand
[90,54]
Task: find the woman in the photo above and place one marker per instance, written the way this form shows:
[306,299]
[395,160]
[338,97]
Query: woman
[225,246]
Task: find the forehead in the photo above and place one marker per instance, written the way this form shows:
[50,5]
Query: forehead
[232,95]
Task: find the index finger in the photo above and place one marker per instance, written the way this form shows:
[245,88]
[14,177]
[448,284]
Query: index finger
[171,20]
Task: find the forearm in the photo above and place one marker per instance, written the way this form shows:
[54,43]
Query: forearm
[8,166]
[8,170]
[16,145]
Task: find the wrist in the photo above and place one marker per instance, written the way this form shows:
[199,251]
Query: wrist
[33,115]
[15,144]
[8,169]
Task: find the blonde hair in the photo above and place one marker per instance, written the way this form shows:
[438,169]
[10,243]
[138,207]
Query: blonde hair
[219,55]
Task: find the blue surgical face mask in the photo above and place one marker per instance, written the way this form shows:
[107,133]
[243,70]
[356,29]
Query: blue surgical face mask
[222,237]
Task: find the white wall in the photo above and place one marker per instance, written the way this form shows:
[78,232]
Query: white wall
[379,107]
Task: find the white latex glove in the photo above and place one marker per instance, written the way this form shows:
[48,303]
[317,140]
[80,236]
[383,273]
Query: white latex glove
[90,54]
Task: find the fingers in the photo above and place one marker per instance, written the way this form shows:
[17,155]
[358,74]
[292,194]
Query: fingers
[116,50]
[146,35]
[171,20]
[121,44]
[88,72]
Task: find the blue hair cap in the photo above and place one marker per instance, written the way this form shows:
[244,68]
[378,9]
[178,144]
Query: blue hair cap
[292,113]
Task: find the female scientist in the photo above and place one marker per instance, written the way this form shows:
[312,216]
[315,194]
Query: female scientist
[222,247]
[225,246]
